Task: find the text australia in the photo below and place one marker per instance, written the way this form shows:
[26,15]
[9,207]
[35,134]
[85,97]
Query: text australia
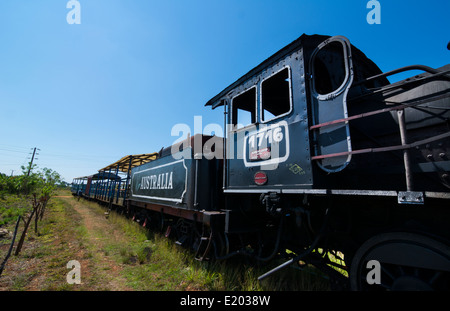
[159,181]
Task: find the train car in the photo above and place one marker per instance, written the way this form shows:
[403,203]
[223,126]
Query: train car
[78,186]
[322,158]
[97,186]
[113,181]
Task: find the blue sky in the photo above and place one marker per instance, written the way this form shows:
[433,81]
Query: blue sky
[87,94]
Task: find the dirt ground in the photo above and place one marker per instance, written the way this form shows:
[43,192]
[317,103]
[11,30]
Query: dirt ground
[41,264]
[109,268]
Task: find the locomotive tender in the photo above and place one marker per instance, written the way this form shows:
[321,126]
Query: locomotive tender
[321,155]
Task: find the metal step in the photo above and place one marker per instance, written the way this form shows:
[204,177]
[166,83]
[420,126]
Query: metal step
[203,248]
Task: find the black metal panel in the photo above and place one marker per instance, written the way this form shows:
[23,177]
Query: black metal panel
[180,182]
[279,147]
[166,181]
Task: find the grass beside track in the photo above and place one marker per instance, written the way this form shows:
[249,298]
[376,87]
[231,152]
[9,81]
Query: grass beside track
[118,254]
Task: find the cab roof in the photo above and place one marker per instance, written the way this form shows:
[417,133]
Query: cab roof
[217,100]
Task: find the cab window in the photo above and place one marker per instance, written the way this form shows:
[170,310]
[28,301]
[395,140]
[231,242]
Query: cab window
[276,95]
[244,108]
[329,68]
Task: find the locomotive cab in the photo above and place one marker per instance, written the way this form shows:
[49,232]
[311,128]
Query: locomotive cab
[319,114]
[270,111]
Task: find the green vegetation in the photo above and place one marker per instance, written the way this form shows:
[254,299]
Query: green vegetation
[37,188]
[41,182]
[11,207]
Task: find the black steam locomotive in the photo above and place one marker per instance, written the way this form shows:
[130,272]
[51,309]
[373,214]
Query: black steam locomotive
[322,157]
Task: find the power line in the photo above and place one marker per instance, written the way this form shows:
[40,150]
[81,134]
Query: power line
[79,157]
[9,150]
[15,147]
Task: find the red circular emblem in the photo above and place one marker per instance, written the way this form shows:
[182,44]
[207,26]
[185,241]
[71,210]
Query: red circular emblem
[260,178]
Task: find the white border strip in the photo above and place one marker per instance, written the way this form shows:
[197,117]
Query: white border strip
[271,161]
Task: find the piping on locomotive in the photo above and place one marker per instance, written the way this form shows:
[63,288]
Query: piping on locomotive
[322,154]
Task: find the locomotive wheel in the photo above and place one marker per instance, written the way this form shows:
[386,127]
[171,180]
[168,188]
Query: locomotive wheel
[407,261]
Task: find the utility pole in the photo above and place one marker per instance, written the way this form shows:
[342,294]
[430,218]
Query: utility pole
[31,163]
